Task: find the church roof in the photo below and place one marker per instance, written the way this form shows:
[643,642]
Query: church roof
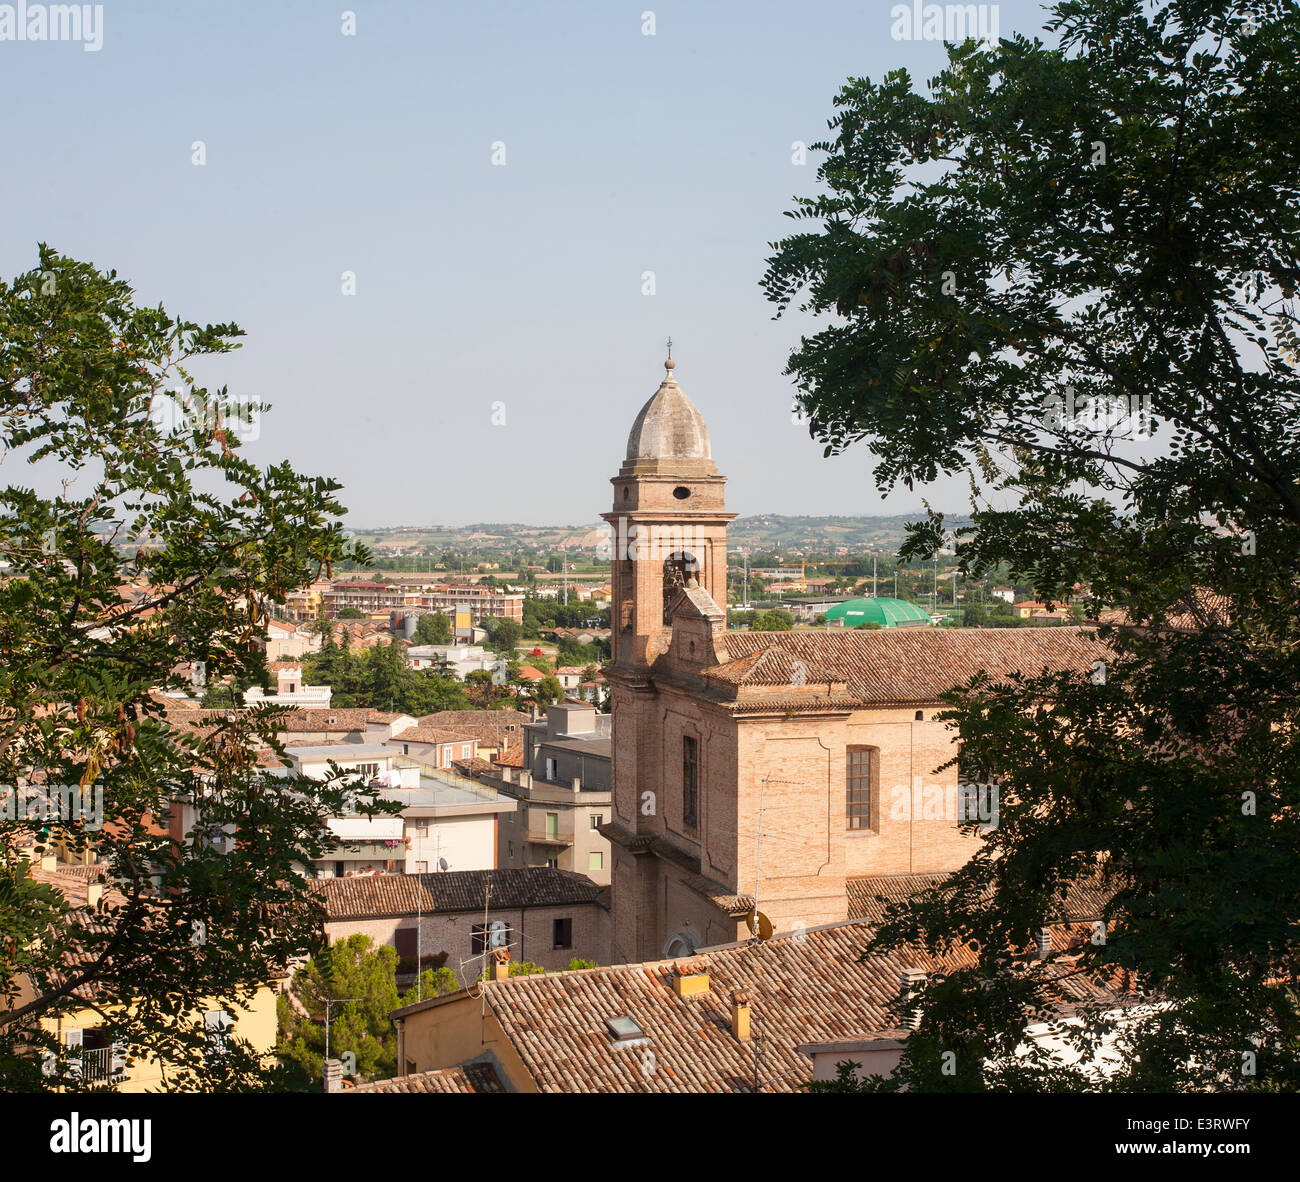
[771,666]
[898,665]
[871,894]
[669,434]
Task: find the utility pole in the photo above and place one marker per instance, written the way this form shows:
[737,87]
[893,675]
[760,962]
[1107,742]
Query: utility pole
[332,1001]
[564,566]
[873,576]
[487,895]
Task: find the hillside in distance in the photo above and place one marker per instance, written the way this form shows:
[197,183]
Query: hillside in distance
[772,532]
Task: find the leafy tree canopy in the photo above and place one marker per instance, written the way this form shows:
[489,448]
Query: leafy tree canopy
[141,545]
[1054,251]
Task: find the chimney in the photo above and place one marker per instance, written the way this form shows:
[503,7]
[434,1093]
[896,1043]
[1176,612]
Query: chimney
[500,964]
[690,977]
[910,982]
[1044,943]
[94,893]
[740,1016]
[333,1074]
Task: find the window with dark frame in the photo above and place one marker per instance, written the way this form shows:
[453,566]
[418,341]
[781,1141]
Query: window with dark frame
[860,767]
[562,933]
[405,940]
[690,780]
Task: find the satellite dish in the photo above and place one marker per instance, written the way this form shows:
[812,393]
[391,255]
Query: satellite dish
[442,864]
[762,929]
[498,934]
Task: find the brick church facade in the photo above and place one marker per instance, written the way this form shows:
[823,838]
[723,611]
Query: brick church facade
[795,770]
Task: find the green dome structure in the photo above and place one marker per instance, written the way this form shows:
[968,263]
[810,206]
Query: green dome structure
[888,613]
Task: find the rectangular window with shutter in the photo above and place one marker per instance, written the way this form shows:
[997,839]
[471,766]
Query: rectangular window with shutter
[690,780]
[861,771]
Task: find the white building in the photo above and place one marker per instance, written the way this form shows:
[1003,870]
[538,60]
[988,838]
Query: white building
[289,689]
[445,818]
[459,659]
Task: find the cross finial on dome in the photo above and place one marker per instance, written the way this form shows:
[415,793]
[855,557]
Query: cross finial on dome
[670,364]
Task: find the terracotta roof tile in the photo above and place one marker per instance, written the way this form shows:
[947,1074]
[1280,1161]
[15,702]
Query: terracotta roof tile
[870,895]
[372,896]
[805,987]
[892,665]
[490,727]
[469,1078]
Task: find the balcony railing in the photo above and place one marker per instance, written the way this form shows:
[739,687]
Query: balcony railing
[538,838]
[99,1064]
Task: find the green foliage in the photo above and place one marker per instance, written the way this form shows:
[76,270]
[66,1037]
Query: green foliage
[1115,217]
[503,635]
[548,690]
[772,621]
[350,613]
[98,400]
[433,628]
[381,678]
[351,968]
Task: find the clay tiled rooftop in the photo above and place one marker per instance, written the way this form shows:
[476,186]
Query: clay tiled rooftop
[319,719]
[904,665]
[490,727]
[468,1078]
[870,895]
[372,896]
[805,987]
[431,734]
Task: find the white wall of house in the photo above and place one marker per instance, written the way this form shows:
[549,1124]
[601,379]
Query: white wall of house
[468,843]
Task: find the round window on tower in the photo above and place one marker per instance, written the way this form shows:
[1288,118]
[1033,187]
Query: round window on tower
[627,492]
[681,492]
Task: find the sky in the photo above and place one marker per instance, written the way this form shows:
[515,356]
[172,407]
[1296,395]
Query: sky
[499,342]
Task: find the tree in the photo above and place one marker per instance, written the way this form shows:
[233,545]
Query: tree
[975,615]
[548,690]
[350,613]
[1052,251]
[503,634]
[359,1029]
[433,628]
[772,621]
[98,401]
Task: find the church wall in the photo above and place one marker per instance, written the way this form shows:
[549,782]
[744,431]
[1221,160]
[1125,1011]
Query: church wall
[915,811]
[800,856]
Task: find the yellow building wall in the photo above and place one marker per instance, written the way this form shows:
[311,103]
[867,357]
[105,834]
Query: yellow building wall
[255,1023]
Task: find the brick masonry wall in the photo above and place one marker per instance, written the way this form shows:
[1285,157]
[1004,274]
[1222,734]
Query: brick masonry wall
[530,936]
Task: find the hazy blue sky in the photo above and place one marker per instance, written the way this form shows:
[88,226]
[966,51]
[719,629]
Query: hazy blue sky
[476,283]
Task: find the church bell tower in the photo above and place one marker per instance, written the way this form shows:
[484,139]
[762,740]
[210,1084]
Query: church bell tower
[668,524]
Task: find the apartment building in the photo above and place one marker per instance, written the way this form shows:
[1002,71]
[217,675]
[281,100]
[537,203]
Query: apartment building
[564,794]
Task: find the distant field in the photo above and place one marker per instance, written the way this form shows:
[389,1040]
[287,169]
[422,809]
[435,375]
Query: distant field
[774,532]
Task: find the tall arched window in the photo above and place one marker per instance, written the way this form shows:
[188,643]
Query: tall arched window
[861,785]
